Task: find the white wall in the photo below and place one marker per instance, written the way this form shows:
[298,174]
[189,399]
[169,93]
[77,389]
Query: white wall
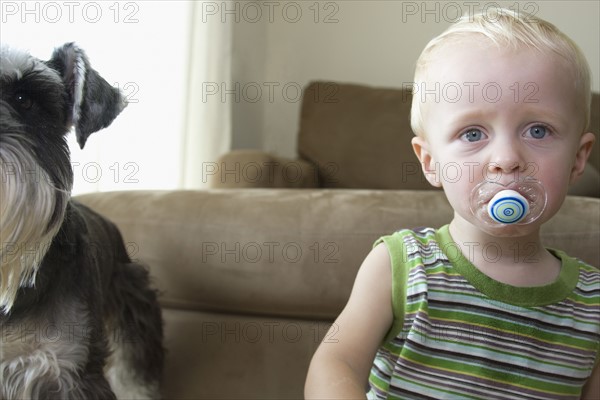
[370,42]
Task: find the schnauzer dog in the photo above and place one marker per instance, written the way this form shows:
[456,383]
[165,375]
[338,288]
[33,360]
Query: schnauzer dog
[78,318]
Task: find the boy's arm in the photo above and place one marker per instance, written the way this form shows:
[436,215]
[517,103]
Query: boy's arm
[591,390]
[340,366]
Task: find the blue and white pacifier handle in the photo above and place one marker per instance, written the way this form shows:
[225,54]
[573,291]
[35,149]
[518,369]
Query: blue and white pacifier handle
[508,207]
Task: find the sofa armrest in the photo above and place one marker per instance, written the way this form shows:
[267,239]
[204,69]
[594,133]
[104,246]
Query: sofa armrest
[259,169]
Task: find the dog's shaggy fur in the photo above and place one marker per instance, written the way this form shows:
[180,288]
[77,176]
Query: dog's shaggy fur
[78,319]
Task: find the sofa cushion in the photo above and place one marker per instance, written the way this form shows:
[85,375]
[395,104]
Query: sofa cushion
[359,137]
[228,356]
[291,253]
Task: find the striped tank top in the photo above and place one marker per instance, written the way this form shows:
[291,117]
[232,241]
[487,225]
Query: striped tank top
[458,334]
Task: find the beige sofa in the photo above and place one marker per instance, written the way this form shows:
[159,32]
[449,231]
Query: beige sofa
[251,279]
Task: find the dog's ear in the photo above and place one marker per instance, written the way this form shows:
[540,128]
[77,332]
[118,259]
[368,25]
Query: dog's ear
[93,102]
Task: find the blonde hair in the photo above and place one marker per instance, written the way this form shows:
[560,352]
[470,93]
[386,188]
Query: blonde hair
[507,29]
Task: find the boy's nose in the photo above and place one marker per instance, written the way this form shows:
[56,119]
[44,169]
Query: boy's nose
[506,159]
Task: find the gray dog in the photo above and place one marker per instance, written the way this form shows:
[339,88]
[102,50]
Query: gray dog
[77,317]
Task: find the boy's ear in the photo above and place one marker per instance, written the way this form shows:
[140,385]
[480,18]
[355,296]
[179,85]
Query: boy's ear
[583,152]
[421,149]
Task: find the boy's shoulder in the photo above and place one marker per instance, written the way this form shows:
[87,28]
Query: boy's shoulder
[589,269]
[408,246]
[415,239]
[422,234]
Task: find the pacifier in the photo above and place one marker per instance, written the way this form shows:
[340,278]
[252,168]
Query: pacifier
[517,203]
[508,207]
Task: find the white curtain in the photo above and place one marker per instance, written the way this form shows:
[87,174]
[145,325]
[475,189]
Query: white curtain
[208,119]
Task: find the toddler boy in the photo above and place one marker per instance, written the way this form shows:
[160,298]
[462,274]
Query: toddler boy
[506,100]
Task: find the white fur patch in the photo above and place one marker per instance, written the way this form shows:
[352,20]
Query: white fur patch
[13,62]
[122,381]
[36,352]
[79,72]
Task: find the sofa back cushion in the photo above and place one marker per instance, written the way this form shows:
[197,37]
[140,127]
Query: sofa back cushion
[359,137]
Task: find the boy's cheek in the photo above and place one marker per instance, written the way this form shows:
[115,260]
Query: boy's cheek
[432,174]
[462,174]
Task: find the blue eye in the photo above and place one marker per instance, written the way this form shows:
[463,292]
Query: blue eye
[537,131]
[473,135]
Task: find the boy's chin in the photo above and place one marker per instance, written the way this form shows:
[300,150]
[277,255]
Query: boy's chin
[500,230]
[509,230]
[482,221]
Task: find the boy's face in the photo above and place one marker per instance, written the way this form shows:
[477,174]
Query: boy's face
[500,115]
